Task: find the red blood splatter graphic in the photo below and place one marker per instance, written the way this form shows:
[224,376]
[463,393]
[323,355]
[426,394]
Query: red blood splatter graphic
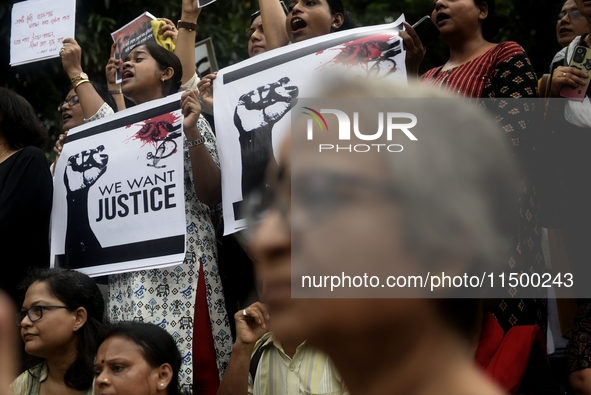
[359,53]
[156,129]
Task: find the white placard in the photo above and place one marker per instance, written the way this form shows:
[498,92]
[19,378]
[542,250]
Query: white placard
[252,99]
[118,203]
[38,28]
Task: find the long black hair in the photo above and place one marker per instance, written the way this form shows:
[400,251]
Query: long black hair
[493,22]
[157,346]
[336,6]
[19,124]
[165,59]
[75,289]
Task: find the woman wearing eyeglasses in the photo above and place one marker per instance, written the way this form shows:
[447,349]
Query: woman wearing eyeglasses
[60,320]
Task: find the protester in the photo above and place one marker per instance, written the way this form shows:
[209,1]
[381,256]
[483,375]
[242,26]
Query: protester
[310,19]
[60,319]
[479,68]
[388,212]
[567,123]
[262,365]
[25,191]
[86,101]
[570,23]
[137,358]
[151,72]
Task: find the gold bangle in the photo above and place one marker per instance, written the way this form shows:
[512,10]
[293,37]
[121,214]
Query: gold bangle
[80,82]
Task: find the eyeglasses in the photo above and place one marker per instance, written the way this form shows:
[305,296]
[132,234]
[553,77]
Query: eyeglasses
[315,196]
[72,102]
[573,13]
[35,313]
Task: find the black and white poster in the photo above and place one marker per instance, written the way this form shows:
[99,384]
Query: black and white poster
[118,203]
[253,100]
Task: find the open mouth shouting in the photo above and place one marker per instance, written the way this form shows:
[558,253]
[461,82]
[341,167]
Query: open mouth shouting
[441,18]
[297,25]
[126,75]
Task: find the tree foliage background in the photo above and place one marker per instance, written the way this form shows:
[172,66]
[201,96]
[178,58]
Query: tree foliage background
[45,84]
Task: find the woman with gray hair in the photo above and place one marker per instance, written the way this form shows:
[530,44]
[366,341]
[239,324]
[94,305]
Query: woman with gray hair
[437,202]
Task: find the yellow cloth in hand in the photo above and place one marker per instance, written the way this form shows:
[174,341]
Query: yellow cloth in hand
[163,42]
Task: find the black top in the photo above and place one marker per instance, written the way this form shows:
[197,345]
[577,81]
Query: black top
[26,193]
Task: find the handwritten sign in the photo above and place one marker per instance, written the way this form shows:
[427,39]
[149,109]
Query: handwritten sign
[38,28]
[132,34]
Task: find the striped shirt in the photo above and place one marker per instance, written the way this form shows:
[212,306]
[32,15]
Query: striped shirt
[308,372]
[490,75]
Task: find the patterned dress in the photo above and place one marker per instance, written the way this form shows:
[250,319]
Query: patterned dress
[167,296]
[506,72]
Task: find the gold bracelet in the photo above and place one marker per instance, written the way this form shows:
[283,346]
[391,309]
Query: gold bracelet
[80,82]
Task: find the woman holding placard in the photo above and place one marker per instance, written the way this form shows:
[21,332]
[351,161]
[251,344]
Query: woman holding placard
[202,329]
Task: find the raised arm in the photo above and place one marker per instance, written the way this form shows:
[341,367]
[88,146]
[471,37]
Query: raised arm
[185,45]
[207,178]
[273,17]
[111,73]
[90,100]
[250,327]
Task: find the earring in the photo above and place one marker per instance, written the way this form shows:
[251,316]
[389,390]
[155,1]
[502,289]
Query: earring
[162,384]
[162,79]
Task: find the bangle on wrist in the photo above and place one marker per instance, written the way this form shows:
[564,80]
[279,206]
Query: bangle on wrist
[192,27]
[79,83]
[194,143]
[115,91]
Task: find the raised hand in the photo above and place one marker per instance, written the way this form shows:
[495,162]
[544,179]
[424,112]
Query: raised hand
[112,66]
[251,323]
[190,7]
[263,107]
[168,30]
[85,168]
[205,86]
[71,55]
[191,110]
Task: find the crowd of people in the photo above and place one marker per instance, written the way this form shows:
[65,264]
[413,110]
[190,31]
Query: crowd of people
[514,179]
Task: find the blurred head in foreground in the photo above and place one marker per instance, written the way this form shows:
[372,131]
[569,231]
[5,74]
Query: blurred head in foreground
[436,196]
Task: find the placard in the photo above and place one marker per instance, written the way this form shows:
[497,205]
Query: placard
[38,28]
[118,202]
[131,35]
[253,99]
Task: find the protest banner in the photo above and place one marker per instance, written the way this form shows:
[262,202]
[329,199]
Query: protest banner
[259,93]
[118,201]
[134,33]
[38,28]
[205,60]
